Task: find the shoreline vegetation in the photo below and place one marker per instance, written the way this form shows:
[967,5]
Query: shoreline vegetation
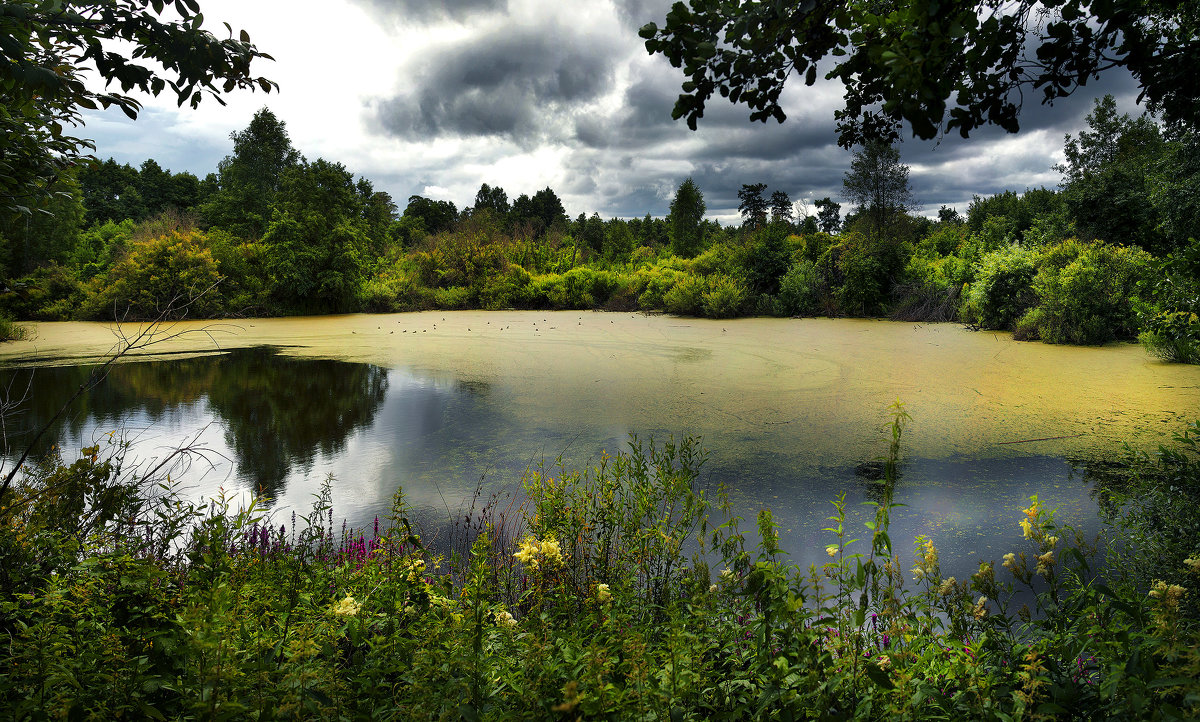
[620,592]
[273,234]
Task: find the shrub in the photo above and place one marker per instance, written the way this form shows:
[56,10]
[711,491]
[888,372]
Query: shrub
[1003,288]
[799,289]
[451,298]
[686,297]
[1086,293]
[10,331]
[656,283]
[175,273]
[1173,336]
[49,293]
[506,290]
[725,298]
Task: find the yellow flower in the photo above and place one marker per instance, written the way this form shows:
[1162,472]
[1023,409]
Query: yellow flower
[831,551]
[1193,564]
[347,607]
[1010,560]
[505,619]
[527,553]
[1044,562]
[980,610]
[602,593]
[1027,528]
[884,661]
[947,587]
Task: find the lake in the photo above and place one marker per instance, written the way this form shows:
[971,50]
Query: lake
[444,403]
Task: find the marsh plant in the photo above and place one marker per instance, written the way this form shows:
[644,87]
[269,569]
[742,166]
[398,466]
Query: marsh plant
[625,591]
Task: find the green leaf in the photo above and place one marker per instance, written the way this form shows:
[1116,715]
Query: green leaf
[879,677]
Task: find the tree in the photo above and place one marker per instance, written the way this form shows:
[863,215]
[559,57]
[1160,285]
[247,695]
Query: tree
[781,208]
[947,216]
[940,67]
[877,183]
[828,215]
[753,206]
[249,178]
[317,240]
[1107,177]
[683,221]
[493,199]
[437,216]
[49,47]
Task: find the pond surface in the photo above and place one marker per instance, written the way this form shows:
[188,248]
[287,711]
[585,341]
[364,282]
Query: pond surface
[443,403]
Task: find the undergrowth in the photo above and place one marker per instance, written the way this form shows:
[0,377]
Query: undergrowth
[625,591]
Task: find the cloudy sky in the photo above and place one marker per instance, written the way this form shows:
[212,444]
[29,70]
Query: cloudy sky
[435,98]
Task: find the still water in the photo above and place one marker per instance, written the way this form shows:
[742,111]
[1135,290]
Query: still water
[442,404]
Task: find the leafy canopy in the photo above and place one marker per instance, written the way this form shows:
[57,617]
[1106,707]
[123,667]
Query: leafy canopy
[938,65]
[47,47]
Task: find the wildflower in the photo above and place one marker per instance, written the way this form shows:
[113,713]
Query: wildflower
[1027,528]
[884,661]
[1010,560]
[347,607]
[712,589]
[727,573]
[1044,562]
[831,550]
[1052,541]
[1193,564]
[527,553]
[947,587]
[505,618]
[552,551]
[602,593]
[980,610]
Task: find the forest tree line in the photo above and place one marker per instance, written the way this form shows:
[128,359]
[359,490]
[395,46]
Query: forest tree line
[1109,255]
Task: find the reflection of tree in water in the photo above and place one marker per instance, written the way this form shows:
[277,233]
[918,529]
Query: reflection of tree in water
[278,412]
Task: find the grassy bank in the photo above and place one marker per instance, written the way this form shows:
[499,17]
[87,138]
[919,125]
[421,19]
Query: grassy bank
[620,592]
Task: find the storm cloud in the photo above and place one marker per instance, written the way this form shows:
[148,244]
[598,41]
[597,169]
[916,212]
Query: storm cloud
[519,85]
[437,98]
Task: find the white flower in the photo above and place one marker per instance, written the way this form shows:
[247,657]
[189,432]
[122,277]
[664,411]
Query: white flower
[602,593]
[505,619]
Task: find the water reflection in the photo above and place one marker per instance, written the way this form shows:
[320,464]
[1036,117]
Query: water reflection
[277,413]
[288,423]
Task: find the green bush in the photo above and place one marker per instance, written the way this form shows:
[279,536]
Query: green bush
[656,283]
[50,293]
[1086,293]
[725,298]
[511,289]
[686,296]
[174,274]
[451,298]
[1173,336]
[800,289]
[1003,288]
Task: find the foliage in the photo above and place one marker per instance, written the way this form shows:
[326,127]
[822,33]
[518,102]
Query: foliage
[800,289]
[249,179]
[752,205]
[619,592]
[10,331]
[936,68]
[726,297]
[176,271]
[877,183]
[1003,289]
[687,210]
[50,47]
[1108,175]
[1086,294]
